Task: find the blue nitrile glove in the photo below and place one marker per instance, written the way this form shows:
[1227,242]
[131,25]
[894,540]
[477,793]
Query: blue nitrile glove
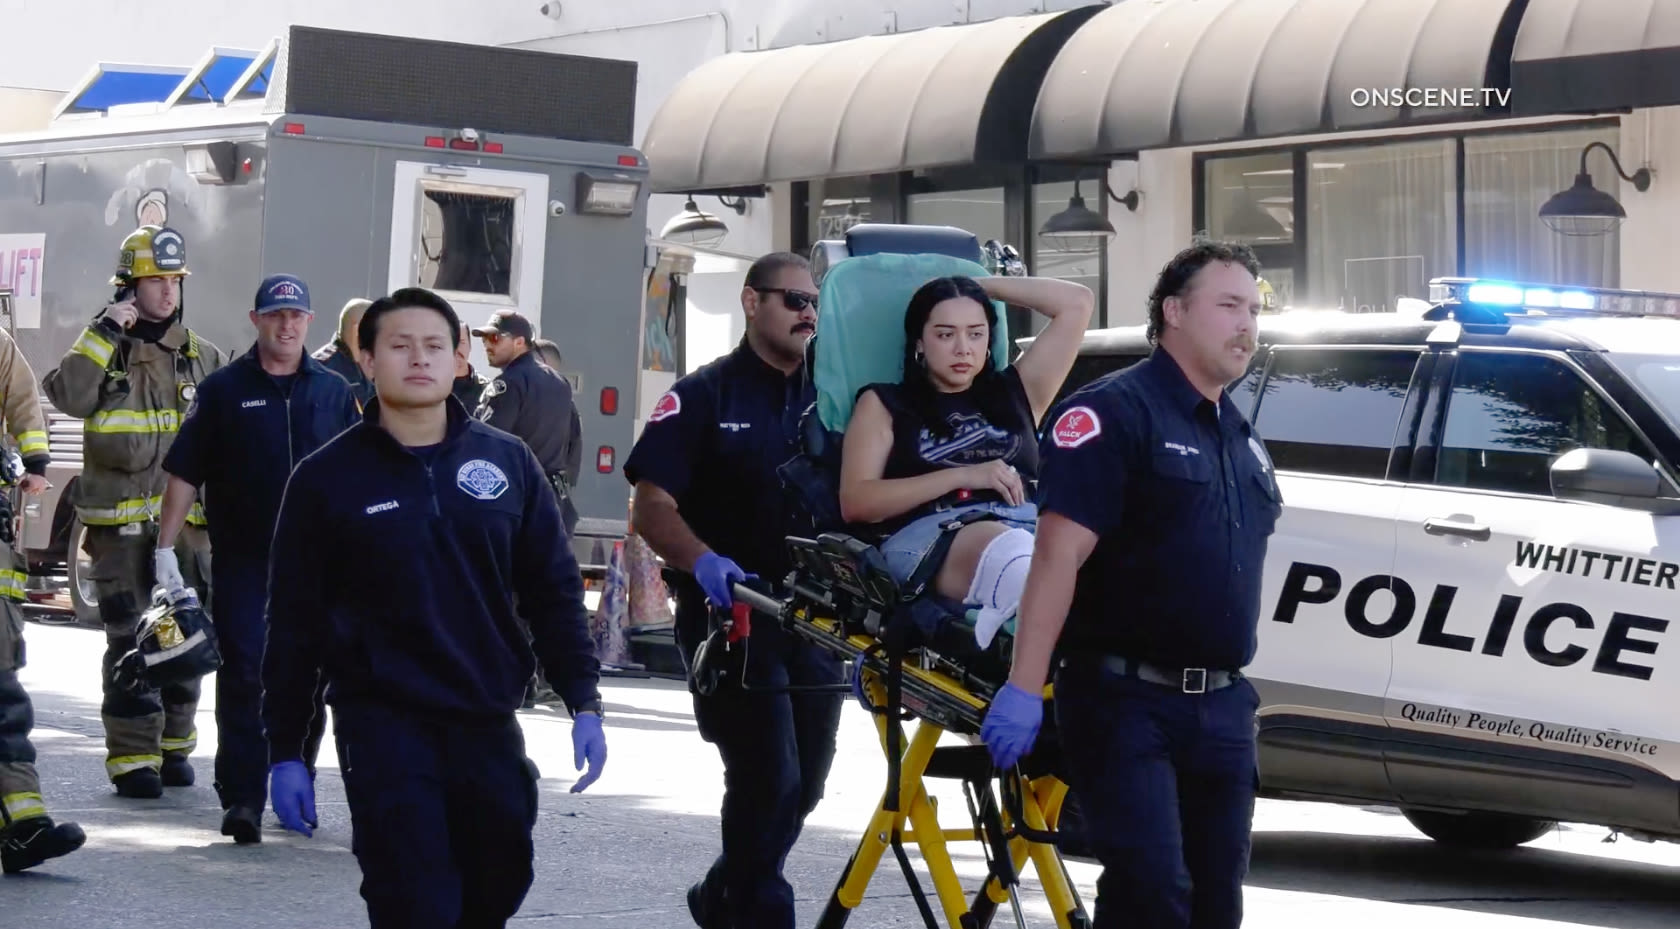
[1011,725]
[857,684]
[588,742]
[293,794]
[715,574]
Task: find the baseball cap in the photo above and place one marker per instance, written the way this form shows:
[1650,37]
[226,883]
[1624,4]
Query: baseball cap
[507,322]
[282,292]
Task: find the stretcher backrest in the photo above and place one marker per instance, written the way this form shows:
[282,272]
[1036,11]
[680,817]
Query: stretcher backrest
[860,329]
[864,286]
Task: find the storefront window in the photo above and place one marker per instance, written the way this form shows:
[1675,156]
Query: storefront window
[1382,221]
[838,204]
[1082,264]
[976,211]
[1506,179]
[1251,199]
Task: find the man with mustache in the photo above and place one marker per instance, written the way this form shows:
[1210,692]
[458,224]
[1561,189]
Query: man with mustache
[708,501]
[251,423]
[1156,500]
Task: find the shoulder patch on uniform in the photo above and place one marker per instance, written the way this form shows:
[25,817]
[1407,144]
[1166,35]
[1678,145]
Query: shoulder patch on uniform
[1260,455]
[494,389]
[481,480]
[667,406]
[1076,427]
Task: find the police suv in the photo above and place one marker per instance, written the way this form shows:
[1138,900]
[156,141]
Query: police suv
[1469,603]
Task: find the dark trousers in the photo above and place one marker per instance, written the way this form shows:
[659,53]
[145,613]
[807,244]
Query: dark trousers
[140,728]
[776,750]
[1166,783]
[441,813]
[240,594]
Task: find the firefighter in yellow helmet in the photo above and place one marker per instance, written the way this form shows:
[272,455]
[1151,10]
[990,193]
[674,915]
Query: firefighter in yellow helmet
[1268,297]
[130,377]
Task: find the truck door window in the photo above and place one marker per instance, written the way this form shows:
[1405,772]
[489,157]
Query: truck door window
[1511,415]
[466,241]
[1334,411]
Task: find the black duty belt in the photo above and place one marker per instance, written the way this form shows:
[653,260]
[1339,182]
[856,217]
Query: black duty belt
[1184,680]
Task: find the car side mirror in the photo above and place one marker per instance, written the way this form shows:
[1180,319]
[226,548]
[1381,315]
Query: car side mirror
[1613,478]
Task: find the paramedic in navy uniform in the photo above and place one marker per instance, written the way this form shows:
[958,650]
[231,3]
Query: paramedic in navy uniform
[399,550]
[1156,499]
[709,502]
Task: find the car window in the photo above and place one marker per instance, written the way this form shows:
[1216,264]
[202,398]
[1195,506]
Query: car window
[1087,368]
[1243,391]
[1511,415]
[1334,411]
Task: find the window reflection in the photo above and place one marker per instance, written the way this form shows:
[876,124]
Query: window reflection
[1511,416]
[1334,412]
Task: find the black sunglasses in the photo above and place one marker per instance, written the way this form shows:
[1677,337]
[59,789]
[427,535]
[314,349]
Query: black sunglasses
[794,300]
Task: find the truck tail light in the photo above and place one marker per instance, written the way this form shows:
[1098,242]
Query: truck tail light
[292,128]
[494,148]
[435,141]
[609,401]
[604,459]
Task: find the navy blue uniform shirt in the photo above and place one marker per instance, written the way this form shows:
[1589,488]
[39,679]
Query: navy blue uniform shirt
[529,400]
[714,442]
[243,434]
[396,572]
[1182,500]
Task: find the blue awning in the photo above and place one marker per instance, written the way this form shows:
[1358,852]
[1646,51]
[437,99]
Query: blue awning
[109,85]
[252,83]
[215,74]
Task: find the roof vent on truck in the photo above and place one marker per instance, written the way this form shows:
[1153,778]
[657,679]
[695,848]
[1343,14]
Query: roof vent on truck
[1483,301]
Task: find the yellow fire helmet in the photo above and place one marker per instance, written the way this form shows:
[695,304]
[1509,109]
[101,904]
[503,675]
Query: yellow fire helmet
[1268,297]
[151,251]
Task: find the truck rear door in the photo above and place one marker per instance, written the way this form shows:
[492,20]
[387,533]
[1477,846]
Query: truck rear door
[475,235]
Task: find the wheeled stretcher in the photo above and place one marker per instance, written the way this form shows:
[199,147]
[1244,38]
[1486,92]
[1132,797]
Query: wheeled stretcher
[918,653]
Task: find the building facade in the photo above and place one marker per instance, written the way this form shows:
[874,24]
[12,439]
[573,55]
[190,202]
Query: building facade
[1362,147]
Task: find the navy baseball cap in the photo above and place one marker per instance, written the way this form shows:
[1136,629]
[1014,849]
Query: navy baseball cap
[507,322]
[282,292]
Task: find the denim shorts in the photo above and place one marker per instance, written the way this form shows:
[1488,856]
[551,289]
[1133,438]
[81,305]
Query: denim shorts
[905,548]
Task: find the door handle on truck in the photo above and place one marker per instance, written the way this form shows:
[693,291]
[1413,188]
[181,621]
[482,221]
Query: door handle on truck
[1476,531]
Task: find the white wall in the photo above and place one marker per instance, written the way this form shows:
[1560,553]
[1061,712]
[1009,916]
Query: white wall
[1650,244]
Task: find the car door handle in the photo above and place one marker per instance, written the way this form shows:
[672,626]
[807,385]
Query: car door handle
[1476,531]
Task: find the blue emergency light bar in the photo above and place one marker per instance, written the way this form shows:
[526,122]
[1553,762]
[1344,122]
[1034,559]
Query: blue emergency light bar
[1515,299]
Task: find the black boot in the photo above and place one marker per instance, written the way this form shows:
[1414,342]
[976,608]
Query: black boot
[177,772]
[707,909]
[142,784]
[28,842]
[244,824]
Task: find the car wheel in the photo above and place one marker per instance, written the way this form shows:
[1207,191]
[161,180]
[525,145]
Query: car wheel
[1478,830]
[84,596]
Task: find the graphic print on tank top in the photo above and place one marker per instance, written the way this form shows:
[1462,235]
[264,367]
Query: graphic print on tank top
[972,441]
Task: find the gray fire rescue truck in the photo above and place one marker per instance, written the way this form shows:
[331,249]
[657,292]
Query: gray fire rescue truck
[503,178]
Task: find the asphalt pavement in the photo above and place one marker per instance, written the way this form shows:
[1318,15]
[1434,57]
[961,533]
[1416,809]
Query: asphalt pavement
[624,853]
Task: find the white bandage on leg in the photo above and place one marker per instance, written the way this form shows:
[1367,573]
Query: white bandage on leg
[998,580]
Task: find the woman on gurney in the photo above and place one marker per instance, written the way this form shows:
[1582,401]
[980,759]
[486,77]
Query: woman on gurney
[957,434]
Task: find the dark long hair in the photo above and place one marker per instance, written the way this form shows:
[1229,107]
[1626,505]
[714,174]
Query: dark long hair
[920,395]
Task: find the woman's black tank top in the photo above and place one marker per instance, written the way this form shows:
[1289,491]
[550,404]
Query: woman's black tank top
[969,438]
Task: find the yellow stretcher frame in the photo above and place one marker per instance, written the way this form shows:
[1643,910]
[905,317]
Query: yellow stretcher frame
[940,704]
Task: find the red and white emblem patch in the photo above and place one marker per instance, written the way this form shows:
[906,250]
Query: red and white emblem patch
[1076,427]
[665,407]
